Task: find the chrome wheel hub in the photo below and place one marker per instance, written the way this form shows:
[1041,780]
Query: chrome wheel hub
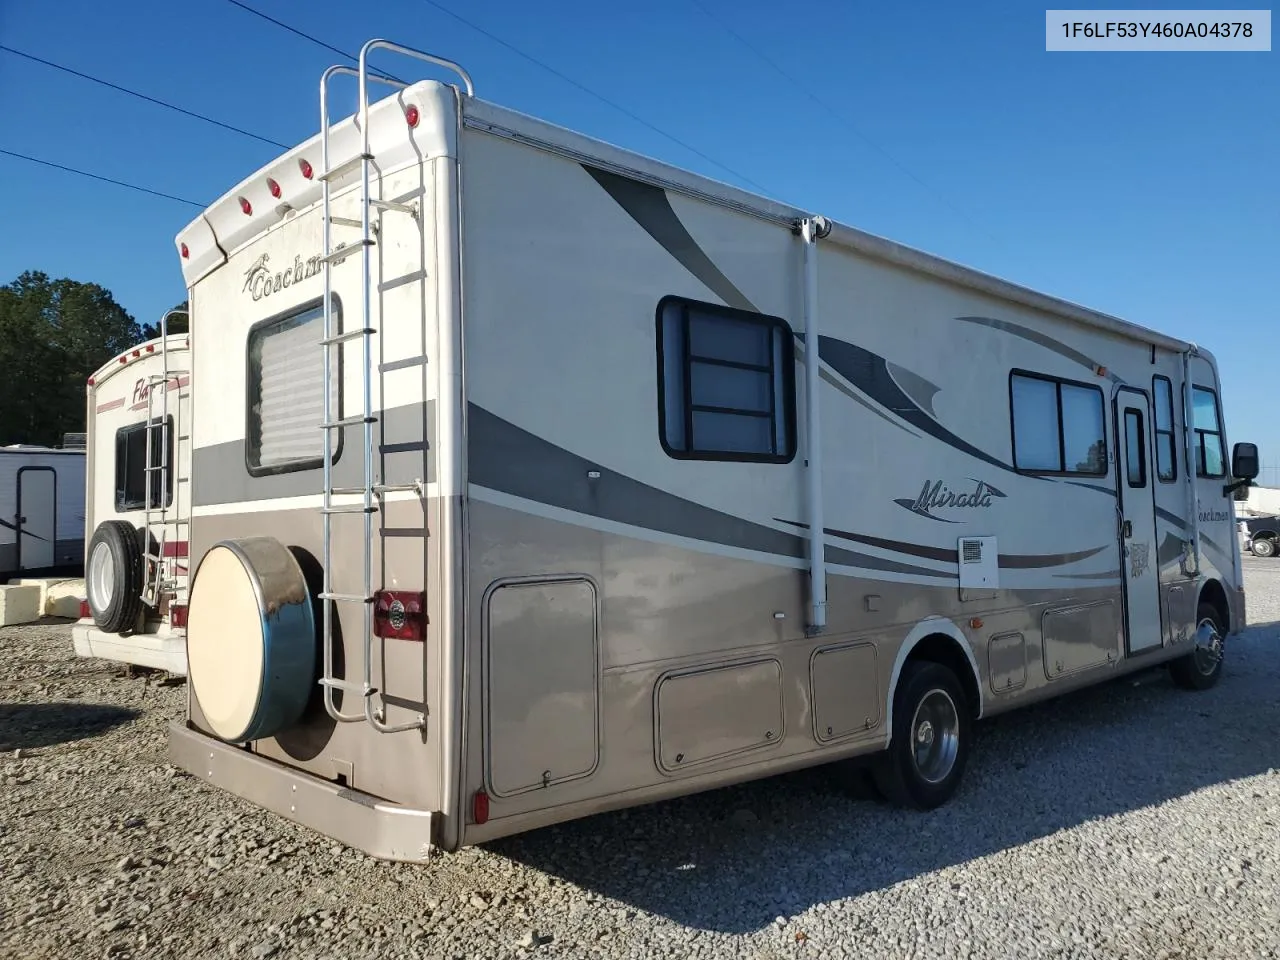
[935,734]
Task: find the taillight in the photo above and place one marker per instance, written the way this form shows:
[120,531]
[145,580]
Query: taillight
[411,115]
[85,610]
[480,807]
[178,615]
[398,615]
[184,251]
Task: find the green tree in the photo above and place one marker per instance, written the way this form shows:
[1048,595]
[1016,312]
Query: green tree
[177,323]
[53,335]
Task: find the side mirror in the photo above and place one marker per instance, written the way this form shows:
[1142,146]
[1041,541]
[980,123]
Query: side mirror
[1244,461]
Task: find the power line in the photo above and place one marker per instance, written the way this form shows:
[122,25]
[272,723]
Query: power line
[94,176]
[587,90]
[140,96]
[306,36]
[516,50]
[826,106]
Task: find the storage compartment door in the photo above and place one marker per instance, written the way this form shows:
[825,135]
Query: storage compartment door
[542,698]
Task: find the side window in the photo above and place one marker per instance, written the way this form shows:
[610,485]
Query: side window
[726,383]
[1058,426]
[1135,457]
[1210,455]
[133,479]
[1166,447]
[285,385]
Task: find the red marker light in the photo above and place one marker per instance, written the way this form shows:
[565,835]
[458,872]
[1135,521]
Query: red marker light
[246,207]
[85,610]
[411,115]
[480,807]
[184,251]
[91,381]
[274,188]
[137,353]
[124,359]
[305,167]
[151,348]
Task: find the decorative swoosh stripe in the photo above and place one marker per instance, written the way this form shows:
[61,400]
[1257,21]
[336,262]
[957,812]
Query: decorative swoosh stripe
[1008,561]
[1042,339]
[650,207]
[23,532]
[513,461]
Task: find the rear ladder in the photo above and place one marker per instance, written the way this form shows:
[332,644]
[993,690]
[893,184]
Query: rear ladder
[160,515]
[373,714]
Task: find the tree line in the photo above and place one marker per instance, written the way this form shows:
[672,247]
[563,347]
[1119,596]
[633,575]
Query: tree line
[53,335]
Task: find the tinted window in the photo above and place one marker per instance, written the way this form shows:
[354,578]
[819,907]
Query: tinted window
[132,476]
[1207,422]
[727,383]
[1058,426]
[1134,449]
[1166,447]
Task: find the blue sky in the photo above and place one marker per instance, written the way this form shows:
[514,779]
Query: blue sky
[1143,185]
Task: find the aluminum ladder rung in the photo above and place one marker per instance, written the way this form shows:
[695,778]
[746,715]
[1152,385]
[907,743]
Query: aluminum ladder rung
[348,508]
[345,597]
[342,169]
[349,335]
[346,222]
[348,422]
[392,207]
[348,250]
[378,488]
[345,685]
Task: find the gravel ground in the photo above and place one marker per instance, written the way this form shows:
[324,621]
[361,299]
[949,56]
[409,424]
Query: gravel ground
[1131,820]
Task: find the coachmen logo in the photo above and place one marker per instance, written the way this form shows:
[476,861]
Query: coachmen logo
[936,496]
[260,282]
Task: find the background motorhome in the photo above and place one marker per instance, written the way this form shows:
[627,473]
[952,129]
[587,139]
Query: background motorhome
[138,495]
[535,478]
[42,509]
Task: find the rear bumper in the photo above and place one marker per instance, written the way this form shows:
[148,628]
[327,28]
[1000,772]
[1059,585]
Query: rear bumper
[380,829]
[164,650]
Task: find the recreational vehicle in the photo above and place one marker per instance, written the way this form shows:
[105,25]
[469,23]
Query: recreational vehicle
[534,478]
[41,511]
[139,461]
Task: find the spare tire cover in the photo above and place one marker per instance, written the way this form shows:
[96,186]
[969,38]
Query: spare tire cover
[251,639]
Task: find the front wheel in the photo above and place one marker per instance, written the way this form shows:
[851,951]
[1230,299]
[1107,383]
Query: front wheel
[931,739]
[1201,668]
[1264,547]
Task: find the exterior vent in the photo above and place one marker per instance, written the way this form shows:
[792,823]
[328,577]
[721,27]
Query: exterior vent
[74,441]
[979,567]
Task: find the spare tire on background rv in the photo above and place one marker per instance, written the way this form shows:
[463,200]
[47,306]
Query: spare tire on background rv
[113,576]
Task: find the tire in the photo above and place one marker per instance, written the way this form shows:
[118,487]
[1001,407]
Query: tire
[113,576]
[1264,547]
[1199,669]
[929,698]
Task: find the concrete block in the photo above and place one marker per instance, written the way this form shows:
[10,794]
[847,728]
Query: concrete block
[19,603]
[59,597]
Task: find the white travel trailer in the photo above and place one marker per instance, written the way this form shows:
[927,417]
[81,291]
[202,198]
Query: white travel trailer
[138,507]
[41,511]
[535,478]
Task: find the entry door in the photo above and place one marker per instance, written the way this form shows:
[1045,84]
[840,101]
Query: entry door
[37,517]
[1141,572]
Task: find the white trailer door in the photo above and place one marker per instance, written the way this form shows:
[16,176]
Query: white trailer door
[37,517]
[1138,521]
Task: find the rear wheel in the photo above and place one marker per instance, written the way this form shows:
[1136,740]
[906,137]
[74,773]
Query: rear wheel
[1264,547]
[113,576]
[931,737]
[1201,668]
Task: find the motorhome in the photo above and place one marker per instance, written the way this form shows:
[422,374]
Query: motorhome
[534,478]
[139,462]
[41,511]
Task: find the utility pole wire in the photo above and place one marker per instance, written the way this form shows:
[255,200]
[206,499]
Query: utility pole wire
[94,176]
[140,96]
[799,85]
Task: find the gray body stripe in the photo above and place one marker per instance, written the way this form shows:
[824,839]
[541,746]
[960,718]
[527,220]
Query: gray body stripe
[218,473]
[510,460]
[650,207]
[1034,336]
[1172,518]
[1008,561]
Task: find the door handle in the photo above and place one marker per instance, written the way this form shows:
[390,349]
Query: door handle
[1128,529]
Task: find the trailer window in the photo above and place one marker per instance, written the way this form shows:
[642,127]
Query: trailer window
[1210,456]
[132,475]
[1058,426]
[726,383]
[1135,452]
[286,392]
[1166,448]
